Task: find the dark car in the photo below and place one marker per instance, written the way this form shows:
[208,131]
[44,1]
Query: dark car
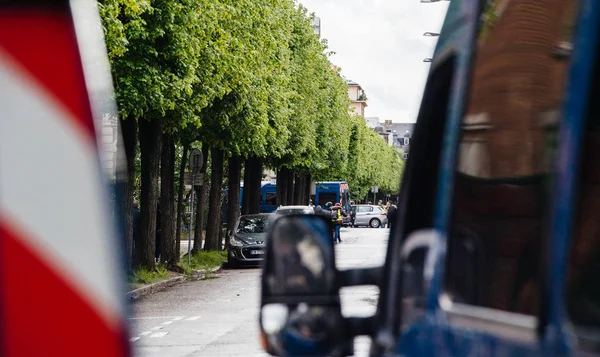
[247,240]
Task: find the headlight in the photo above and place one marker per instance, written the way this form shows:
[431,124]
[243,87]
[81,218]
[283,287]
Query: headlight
[234,242]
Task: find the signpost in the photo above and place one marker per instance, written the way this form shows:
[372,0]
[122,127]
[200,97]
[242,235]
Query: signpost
[195,178]
[374,189]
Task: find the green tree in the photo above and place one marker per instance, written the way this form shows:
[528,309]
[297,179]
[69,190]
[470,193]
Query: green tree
[154,48]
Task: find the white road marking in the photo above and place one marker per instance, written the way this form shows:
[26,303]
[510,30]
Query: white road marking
[145,333]
[155,318]
[167,323]
[193,318]
[178,318]
[156,328]
[159,334]
[133,339]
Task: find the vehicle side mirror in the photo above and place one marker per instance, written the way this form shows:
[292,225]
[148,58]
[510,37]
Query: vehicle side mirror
[300,305]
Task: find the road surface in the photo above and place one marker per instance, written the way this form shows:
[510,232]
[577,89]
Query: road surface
[218,317]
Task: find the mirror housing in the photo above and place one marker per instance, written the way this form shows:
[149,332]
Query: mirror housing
[417,270]
[300,308]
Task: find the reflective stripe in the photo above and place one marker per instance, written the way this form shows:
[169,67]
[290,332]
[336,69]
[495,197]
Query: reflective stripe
[60,278]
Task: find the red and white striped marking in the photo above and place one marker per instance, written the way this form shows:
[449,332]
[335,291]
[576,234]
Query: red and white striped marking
[60,283]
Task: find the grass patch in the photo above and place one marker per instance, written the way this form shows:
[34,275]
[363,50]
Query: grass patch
[142,276]
[203,260]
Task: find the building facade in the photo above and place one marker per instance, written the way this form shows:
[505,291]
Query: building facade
[358,99]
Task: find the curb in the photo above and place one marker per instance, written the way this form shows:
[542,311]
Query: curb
[156,287]
[165,284]
[202,273]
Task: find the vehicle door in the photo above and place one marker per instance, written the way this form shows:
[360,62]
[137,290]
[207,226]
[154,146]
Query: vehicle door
[511,123]
[363,214]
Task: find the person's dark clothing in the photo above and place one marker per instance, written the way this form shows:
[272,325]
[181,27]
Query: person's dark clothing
[391,215]
[326,214]
[318,210]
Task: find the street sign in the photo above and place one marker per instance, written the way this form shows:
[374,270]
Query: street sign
[196,160]
[374,189]
[198,179]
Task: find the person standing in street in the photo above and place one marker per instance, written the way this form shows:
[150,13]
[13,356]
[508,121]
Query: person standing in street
[329,205]
[384,208]
[391,214]
[337,218]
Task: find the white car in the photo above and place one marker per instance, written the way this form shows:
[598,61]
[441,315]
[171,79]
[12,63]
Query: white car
[288,210]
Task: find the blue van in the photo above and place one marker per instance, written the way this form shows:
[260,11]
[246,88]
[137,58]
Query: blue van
[268,197]
[334,192]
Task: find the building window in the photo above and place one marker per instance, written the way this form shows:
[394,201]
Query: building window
[406,141]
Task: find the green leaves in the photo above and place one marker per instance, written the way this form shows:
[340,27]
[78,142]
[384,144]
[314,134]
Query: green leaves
[249,77]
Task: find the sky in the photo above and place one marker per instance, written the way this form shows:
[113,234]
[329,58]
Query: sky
[380,45]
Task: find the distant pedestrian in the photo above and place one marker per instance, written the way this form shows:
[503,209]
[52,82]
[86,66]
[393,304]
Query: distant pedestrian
[391,215]
[337,218]
[384,208]
[331,225]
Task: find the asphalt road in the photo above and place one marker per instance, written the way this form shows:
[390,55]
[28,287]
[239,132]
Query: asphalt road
[219,316]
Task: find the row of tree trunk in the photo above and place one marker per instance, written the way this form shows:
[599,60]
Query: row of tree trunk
[292,188]
[157,152]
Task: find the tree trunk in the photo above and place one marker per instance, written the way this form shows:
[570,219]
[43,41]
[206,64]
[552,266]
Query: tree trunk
[201,199]
[129,133]
[214,201]
[255,180]
[307,183]
[247,185]
[150,140]
[180,205]
[167,201]
[289,177]
[281,187]
[298,189]
[233,194]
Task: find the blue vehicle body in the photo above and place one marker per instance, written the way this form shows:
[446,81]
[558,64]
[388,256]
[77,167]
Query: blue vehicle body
[433,334]
[334,192]
[268,191]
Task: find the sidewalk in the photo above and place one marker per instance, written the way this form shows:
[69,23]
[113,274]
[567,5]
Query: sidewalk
[138,291]
[202,264]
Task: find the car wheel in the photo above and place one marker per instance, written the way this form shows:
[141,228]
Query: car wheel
[232,264]
[375,223]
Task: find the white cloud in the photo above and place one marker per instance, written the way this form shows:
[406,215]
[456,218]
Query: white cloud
[380,44]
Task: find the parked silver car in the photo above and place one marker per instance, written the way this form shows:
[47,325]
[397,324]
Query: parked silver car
[368,215]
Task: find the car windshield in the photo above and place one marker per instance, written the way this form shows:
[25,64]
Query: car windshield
[253,225]
[288,211]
